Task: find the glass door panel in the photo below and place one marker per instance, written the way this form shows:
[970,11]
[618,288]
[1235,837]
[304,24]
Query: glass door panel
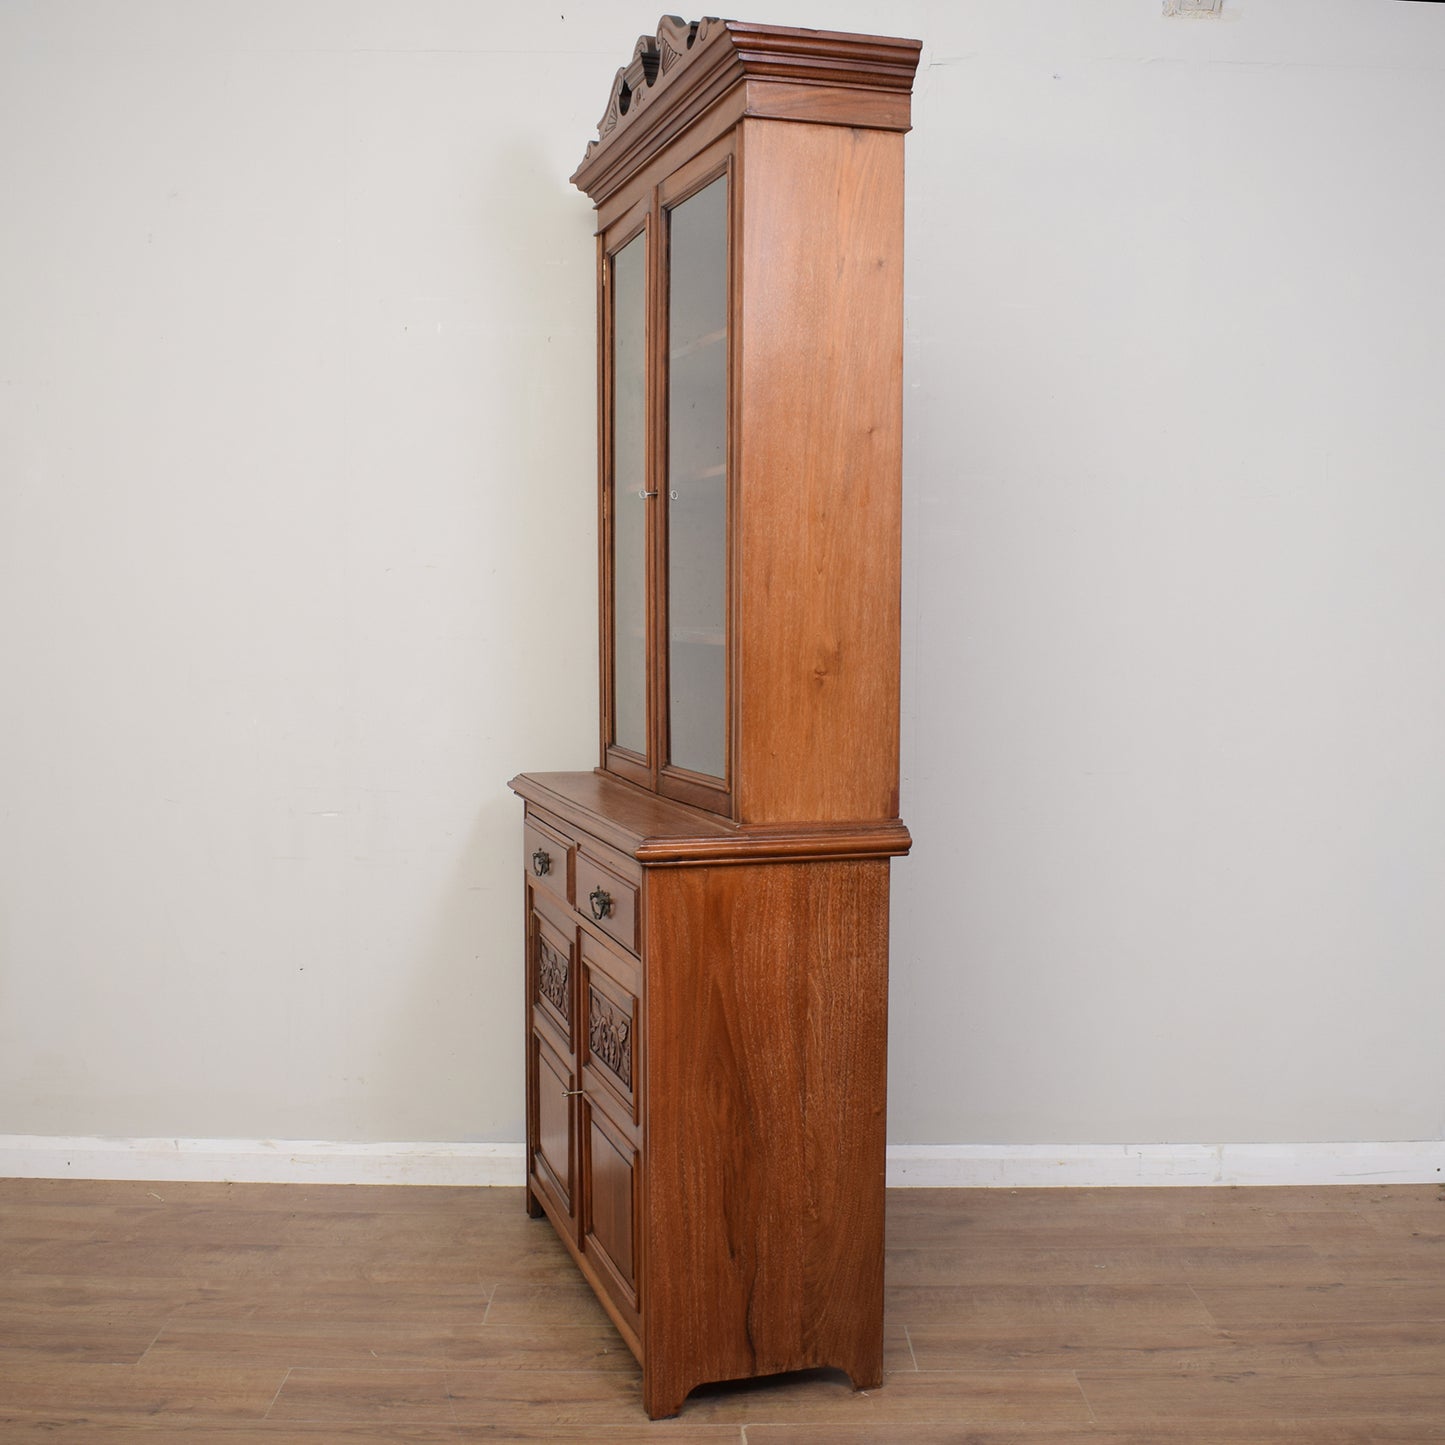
[697,481]
[628,503]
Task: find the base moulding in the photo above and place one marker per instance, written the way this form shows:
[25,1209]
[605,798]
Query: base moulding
[919,1166]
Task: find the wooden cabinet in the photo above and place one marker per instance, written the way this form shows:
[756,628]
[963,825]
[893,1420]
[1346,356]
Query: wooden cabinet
[707,910]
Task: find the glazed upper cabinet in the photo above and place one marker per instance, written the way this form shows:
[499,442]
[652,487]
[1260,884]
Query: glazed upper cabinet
[751,323]
[707,910]
[665,492]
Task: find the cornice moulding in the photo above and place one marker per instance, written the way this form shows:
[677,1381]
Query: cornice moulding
[687,67]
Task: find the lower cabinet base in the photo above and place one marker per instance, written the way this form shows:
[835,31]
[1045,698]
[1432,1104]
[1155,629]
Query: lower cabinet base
[706,1093]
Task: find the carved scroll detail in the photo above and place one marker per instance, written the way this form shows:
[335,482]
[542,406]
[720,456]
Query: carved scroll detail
[652,57]
[553,972]
[609,1036]
[613,113]
[674,39]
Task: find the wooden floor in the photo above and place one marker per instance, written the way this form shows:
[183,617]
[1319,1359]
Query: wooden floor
[259,1313]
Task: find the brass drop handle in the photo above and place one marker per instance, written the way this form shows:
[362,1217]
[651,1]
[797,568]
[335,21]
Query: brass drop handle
[601,902]
[541,862]
[571,1093]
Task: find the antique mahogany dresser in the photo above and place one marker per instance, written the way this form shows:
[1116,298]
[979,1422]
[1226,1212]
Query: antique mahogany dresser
[707,911]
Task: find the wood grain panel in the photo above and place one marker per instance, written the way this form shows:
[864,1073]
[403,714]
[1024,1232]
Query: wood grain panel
[818,472]
[765,1150]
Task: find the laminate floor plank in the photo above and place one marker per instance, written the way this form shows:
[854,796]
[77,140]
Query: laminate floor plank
[83,1333]
[1138,1400]
[1122,1228]
[907,1400]
[297,1266]
[1241,1307]
[1065,1327]
[392,1344]
[367,1397]
[276,1302]
[79,1393]
[672,1432]
[173,1432]
[1403,1347]
[563,1300]
[243,1314]
[1312,1432]
[556,1399]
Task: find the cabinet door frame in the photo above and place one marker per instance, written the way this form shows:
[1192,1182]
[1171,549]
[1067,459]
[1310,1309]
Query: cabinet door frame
[627,1287]
[717,161]
[646,216]
[558,1190]
[636,221]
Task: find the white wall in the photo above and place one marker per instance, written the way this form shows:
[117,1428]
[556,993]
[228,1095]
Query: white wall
[297,561]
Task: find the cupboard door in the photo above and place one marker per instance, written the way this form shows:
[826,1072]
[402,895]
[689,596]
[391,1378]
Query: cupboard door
[627,495]
[697,465]
[552,1146]
[611,1183]
[610,1038]
[553,946]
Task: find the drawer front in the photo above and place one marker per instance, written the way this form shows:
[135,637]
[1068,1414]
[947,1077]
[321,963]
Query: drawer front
[608,900]
[548,858]
[610,1032]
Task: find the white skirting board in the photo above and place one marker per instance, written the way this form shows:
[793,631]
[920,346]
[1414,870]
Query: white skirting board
[936,1166]
[1097,1166]
[259,1161]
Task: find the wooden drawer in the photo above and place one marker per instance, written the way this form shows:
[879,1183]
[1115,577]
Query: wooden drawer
[610,1035]
[607,899]
[548,856]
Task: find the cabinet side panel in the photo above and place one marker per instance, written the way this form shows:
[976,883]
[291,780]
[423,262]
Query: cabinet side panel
[846,1119]
[819,466]
[766,998]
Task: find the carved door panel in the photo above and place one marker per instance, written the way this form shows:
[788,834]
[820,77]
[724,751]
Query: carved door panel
[610,1031]
[610,1053]
[552,1053]
[552,947]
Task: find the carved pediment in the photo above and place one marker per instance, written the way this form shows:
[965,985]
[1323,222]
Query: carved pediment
[674,76]
[652,57]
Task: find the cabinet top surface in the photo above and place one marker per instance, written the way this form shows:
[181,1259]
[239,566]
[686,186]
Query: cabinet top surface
[657,830]
[683,70]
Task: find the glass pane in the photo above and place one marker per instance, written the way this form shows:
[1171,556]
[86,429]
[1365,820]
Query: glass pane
[697,481]
[629,510]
